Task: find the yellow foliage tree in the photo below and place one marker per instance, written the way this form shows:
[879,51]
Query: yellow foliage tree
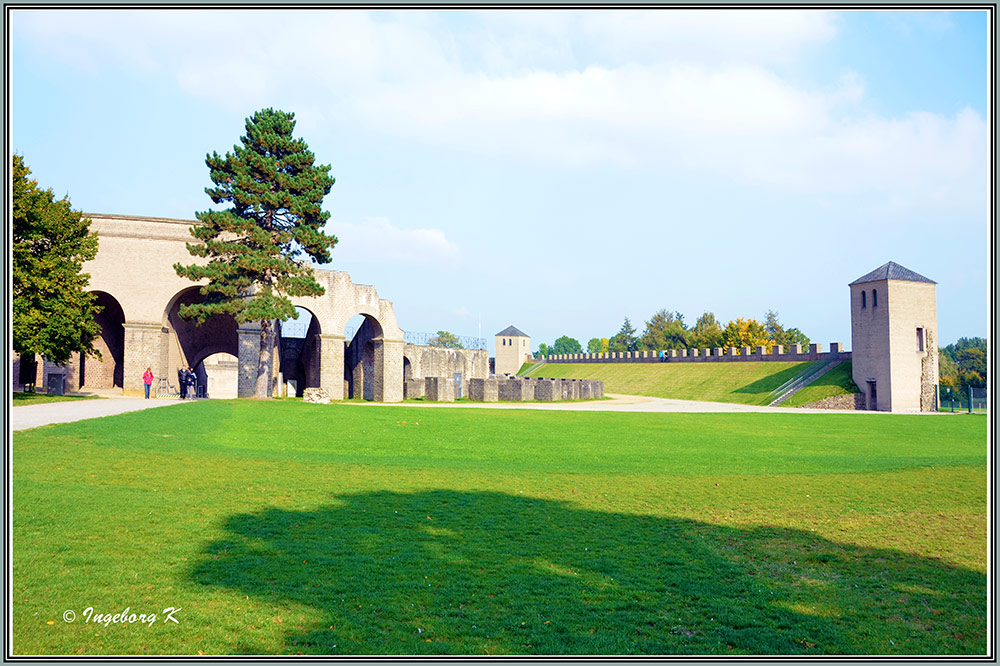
[745,333]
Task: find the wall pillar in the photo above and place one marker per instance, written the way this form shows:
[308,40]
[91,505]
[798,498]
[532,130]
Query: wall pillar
[248,355]
[331,365]
[389,370]
[142,350]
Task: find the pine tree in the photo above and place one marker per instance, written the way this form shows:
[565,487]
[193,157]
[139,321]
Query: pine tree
[625,339]
[53,312]
[276,193]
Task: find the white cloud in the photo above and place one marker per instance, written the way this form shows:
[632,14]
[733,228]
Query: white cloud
[695,90]
[378,241]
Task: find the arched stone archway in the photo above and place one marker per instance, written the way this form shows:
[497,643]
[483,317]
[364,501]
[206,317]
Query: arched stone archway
[108,371]
[364,363]
[135,262]
[218,373]
[299,352]
[186,343]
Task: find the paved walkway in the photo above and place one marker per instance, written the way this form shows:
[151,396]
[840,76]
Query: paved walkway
[32,416]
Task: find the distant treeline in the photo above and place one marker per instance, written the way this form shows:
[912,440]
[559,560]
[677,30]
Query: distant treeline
[667,330]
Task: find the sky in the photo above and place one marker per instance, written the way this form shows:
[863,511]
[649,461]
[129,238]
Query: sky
[558,170]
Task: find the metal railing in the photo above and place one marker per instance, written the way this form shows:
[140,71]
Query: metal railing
[467,341]
[962,398]
[801,380]
[296,329]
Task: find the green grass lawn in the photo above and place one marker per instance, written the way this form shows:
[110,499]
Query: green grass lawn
[286,528]
[746,383]
[837,381]
[19,398]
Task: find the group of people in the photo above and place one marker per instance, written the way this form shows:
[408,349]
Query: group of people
[186,379]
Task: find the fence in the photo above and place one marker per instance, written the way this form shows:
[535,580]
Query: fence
[957,398]
[423,339]
[294,328]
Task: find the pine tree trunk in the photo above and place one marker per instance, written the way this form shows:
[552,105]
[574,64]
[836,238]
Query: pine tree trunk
[263,388]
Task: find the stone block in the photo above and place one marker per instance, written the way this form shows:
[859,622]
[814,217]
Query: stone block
[816,348]
[545,390]
[586,389]
[778,350]
[516,389]
[413,388]
[795,349]
[836,347]
[439,389]
[761,351]
[316,396]
[597,389]
[744,351]
[484,390]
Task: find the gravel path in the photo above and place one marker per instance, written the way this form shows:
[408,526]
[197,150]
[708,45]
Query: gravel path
[32,416]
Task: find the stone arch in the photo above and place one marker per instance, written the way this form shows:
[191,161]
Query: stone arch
[364,367]
[186,343]
[108,371]
[299,357]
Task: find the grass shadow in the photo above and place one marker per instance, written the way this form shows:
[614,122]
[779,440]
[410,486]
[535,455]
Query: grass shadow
[765,385]
[447,572]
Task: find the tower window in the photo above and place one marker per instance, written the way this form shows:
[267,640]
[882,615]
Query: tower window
[920,339]
[874,298]
[864,300]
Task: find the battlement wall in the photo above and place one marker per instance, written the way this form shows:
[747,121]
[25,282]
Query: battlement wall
[795,353]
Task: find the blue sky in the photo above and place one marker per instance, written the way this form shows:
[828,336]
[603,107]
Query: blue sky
[554,170]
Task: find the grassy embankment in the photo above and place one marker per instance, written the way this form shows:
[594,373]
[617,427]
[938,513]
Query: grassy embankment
[283,527]
[747,383]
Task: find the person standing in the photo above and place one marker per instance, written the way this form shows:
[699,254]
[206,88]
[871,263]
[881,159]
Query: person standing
[182,381]
[192,380]
[147,380]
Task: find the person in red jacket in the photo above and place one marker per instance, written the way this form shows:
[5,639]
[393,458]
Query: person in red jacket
[147,379]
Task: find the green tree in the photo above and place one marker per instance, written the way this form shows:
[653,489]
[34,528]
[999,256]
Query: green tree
[745,333]
[445,339]
[543,350]
[594,346]
[706,332]
[275,192]
[781,335]
[625,339]
[963,363]
[665,330]
[53,313]
[567,345]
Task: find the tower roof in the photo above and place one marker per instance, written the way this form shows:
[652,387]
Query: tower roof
[892,271]
[510,331]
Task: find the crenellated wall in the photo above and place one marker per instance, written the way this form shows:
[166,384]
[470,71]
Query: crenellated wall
[712,355]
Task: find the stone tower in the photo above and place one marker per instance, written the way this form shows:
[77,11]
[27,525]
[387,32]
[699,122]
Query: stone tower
[894,339]
[513,349]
